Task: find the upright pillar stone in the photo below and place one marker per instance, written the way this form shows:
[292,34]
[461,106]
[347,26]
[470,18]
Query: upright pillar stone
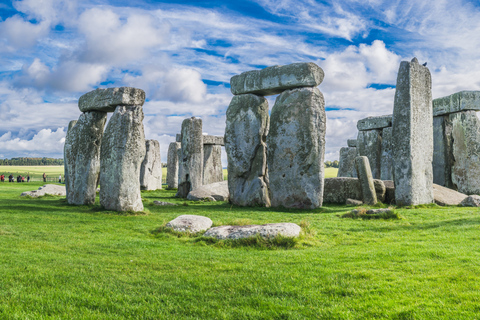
[151,168]
[413,135]
[172,165]
[122,153]
[71,124]
[369,144]
[212,163]
[346,165]
[366,180]
[386,158]
[443,159]
[82,157]
[245,135]
[296,149]
[191,161]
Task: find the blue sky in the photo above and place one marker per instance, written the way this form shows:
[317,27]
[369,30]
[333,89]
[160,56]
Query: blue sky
[183,54]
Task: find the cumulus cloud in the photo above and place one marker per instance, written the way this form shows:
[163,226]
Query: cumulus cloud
[44,142]
[22,34]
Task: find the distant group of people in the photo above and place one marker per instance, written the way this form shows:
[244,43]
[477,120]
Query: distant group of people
[11,178]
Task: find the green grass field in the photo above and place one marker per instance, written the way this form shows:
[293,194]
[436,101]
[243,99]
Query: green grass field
[59,261]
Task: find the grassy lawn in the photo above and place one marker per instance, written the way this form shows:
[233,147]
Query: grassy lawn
[75,262]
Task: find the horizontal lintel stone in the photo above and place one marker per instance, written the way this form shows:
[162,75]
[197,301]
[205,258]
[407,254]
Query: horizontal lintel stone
[107,100]
[217,140]
[371,123]
[460,101]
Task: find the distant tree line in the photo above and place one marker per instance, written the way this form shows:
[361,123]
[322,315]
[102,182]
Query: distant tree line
[331,164]
[31,162]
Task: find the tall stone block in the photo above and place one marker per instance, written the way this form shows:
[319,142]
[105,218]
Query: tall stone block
[191,162]
[369,144]
[245,135]
[413,135]
[71,124]
[212,164]
[151,168]
[172,165]
[296,148]
[386,158]
[122,153]
[82,157]
[443,159]
[366,180]
[346,166]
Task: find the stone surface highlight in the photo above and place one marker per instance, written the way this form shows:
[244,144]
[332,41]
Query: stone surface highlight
[107,100]
[151,168]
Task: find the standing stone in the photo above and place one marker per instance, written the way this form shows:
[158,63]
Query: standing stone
[296,148]
[352,143]
[386,158]
[413,135]
[346,166]
[245,135]
[82,157]
[212,164]
[151,168]
[172,165]
[443,159]
[122,153]
[366,180]
[191,161]
[71,124]
[369,144]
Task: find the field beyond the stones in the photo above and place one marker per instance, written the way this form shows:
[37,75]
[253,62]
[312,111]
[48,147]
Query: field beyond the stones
[59,261]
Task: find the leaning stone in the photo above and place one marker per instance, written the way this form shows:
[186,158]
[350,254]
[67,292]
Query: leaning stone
[412,135]
[353,202]
[366,181]
[352,143]
[296,148]
[172,165]
[107,100]
[274,80]
[346,166]
[471,201]
[447,197]
[212,163]
[266,231]
[370,145]
[162,203]
[386,158]
[51,189]
[82,157]
[217,191]
[245,134]
[122,153]
[216,140]
[371,123]
[190,223]
[460,101]
[151,168]
[443,159]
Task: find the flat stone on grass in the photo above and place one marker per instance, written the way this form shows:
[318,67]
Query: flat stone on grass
[52,189]
[471,201]
[190,223]
[217,191]
[266,231]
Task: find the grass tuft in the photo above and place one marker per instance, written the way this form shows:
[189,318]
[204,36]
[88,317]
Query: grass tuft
[256,242]
[361,213]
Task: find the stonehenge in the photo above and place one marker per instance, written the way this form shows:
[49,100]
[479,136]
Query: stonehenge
[151,167]
[172,165]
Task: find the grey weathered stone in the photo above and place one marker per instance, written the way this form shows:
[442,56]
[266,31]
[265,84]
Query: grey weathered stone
[151,168]
[471,201]
[245,134]
[122,153]
[447,197]
[51,189]
[460,101]
[369,144]
[107,100]
[274,80]
[216,140]
[389,191]
[296,148]
[371,123]
[366,180]
[82,157]
[191,162]
[346,165]
[443,159]
[338,190]
[386,158]
[379,211]
[218,191]
[380,189]
[71,124]
[163,203]
[413,135]
[172,165]
[190,223]
[212,163]
[352,143]
[267,231]
[178,137]
[353,202]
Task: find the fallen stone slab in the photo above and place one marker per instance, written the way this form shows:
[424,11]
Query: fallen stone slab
[276,79]
[371,123]
[51,189]
[107,100]
[162,203]
[447,197]
[471,201]
[460,101]
[217,191]
[266,231]
[190,223]
[216,140]
[352,143]
[353,202]
[379,211]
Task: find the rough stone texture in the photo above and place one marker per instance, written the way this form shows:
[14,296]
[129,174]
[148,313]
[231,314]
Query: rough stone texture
[190,223]
[471,201]
[82,157]
[267,231]
[380,189]
[338,190]
[369,144]
[386,158]
[151,168]
[162,203]
[379,211]
[460,101]
[413,135]
[371,123]
[107,100]
[172,164]
[353,202]
[389,191]
[466,152]
[443,159]
[217,191]
[71,124]
[245,135]
[216,140]
[296,148]
[346,165]
[366,180]
[212,163]
[178,137]
[352,143]
[52,189]
[447,197]
[274,80]
[191,162]
[122,153]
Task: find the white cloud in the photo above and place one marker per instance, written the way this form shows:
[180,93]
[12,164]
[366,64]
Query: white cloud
[44,142]
[22,34]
